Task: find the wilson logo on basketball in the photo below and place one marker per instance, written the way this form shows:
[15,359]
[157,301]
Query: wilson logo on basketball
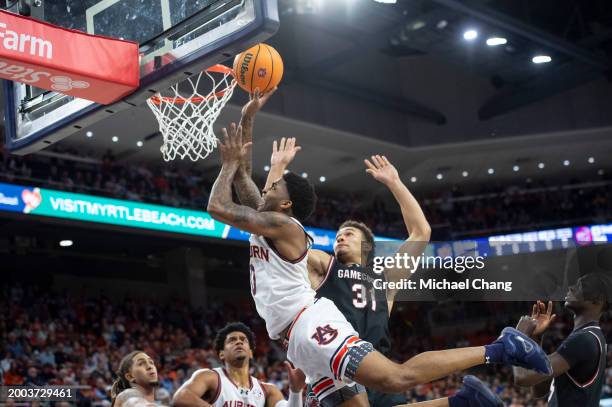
[245,66]
[325,334]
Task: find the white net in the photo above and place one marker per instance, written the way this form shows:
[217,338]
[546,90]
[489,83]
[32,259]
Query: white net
[186,118]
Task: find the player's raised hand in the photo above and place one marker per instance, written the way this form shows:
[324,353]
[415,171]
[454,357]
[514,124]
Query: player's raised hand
[284,152]
[543,316]
[381,169]
[297,378]
[257,100]
[231,147]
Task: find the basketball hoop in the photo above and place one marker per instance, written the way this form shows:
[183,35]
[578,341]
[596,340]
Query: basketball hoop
[186,123]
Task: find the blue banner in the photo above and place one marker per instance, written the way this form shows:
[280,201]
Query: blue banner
[90,208]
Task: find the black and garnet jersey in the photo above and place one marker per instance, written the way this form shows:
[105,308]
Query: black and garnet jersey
[351,288]
[585,351]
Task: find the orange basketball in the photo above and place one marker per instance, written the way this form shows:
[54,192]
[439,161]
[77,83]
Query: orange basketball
[260,67]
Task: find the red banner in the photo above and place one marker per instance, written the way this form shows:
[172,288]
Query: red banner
[86,66]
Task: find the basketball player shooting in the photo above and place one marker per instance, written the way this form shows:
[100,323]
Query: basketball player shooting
[232,385]
[347,277]
[319,339]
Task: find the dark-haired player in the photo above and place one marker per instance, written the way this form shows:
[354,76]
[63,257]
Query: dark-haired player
[346,278]
[231,385]
[319,339]
[579,363]
[136,381]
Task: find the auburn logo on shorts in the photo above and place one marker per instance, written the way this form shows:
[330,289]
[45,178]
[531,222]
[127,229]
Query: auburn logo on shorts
[325,334]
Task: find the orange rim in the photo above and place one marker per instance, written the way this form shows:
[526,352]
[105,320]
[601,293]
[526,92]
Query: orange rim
[179,100]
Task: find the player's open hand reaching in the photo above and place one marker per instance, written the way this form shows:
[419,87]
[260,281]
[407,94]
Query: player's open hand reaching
[256,101]
[284,152]
[232,149]
[542,316]
[381,169]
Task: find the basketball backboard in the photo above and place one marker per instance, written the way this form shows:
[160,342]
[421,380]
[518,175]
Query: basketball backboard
[177,39]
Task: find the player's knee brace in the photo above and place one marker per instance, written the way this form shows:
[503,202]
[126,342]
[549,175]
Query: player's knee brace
[356,355]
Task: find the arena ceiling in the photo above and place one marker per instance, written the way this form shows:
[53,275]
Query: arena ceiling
[401,79]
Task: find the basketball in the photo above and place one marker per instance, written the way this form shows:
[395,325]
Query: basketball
[260,66]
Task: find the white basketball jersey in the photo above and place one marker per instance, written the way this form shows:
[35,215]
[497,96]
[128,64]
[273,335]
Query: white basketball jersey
[230,395]
[280,287]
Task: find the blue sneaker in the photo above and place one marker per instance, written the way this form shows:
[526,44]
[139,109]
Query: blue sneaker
[521,350]
[477,394]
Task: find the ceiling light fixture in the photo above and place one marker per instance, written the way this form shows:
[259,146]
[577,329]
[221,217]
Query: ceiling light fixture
[495,41]
[470,35]
[541,59]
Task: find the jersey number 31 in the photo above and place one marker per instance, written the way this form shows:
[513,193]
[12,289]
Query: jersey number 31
[360,297]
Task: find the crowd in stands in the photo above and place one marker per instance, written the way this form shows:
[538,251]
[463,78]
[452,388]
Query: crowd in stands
[61,338]
[454,213]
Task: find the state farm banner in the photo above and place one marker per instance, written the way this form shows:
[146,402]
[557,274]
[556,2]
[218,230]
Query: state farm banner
[86,66]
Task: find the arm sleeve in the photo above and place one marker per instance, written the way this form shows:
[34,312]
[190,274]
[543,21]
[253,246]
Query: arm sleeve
[295,400]
[579,348]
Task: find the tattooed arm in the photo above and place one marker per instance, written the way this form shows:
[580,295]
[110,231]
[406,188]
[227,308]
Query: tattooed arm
[247,191]
[274,225]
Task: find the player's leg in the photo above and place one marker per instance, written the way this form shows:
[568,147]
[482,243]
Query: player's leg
[474,393]
[511,348]
[380,373]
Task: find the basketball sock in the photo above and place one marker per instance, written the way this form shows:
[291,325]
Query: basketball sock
[458,400]
[494,353]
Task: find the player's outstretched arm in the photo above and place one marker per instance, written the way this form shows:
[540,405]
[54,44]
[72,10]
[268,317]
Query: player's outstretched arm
[190,394]
[221,206]
[247,191]
[419,231]
[247,120]
[132,398]
[283,153]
